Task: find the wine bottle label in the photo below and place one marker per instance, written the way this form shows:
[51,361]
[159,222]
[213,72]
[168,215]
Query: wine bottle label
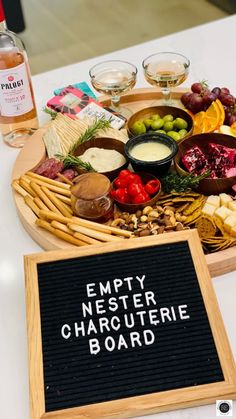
[15,94]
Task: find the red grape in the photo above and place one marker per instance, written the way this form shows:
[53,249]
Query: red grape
[227,99]
[195,103]
[208,98]
[216,91]
[232,119]
[225,90]
[185,98]
[196,87]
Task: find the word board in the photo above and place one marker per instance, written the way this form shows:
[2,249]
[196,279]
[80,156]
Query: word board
[125,329]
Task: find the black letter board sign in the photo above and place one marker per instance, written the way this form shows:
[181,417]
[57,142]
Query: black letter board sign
[125,329]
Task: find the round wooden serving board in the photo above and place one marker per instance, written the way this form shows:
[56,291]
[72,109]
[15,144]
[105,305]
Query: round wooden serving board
[34,152]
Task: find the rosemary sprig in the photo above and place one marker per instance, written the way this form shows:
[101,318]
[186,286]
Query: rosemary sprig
[91,131]
[52,113]
[175,182]
[70,160]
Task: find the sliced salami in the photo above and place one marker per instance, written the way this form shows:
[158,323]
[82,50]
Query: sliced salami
[49,168]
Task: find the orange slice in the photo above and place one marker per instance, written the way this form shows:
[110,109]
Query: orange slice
[233,127]
[213,115]
[222,112]
[198,122]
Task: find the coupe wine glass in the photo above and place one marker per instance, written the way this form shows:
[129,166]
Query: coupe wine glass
[114,78]
[166,70]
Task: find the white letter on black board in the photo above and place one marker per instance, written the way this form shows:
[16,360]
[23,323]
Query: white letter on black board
[63,331]
[94,346]
[151,339]
[135,337]
[150,296]
[79,329]
[110,346]
[90,290]
[105,289]
[128,280]
[182,312]
[87,308]
[116,320]
[141,280]
[99,307]
[117,284]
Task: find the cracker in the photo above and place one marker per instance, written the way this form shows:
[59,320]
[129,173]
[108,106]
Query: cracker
[193,217]
[182,207]
[183,199]
[197,203]
[205,227]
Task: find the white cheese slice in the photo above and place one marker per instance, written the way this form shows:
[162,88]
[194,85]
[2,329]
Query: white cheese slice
[225,199]
[213,200]
[208,209]
[232,205]
[230,222]
[222,212]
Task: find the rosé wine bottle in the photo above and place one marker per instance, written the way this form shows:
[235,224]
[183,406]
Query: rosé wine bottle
[18,117]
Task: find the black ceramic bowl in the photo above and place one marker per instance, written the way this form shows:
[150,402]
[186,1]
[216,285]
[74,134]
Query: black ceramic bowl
[157,167]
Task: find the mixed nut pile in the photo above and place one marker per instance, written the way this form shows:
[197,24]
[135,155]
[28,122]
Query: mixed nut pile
[150,220]
[172,212]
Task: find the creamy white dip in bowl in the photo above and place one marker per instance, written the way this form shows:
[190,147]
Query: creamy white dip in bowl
[151,153]
[106,155]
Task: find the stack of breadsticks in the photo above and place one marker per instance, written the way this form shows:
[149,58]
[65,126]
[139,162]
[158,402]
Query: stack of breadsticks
[50,201]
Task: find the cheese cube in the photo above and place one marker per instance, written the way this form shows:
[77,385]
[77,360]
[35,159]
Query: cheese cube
[230,222]
[208,209]
[233,231]
[225,199]
[222,212]
[213,200]
[232,205]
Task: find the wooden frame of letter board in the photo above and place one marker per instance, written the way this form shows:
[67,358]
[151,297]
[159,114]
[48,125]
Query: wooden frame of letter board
[138,405]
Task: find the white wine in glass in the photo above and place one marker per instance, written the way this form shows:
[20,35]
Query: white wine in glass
[114,78]
[166,70]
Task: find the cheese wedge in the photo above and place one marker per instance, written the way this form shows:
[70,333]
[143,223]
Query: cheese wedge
[208,209]
[232,205]
[213,200]
[225,199]
[230,222]
[222,212]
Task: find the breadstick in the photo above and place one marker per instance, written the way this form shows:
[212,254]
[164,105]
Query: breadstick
[61,227]
[61,207]
[68,238]
[49,215]
[44,197]
[92,233]
[52,187]
[63,198]
[44,224]
[29,201]
[79,236]
[19,189]
[86,239]
[58,233]
[40,203]
[64,179]
[25,178]
[47,180]
[25,185]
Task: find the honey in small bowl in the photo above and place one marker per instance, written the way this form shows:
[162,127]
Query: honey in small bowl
[90,197]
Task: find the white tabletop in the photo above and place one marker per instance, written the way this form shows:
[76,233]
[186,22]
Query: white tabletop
[211,50]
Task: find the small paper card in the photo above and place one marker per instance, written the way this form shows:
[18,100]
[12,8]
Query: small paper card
[81,86]
[77,104]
